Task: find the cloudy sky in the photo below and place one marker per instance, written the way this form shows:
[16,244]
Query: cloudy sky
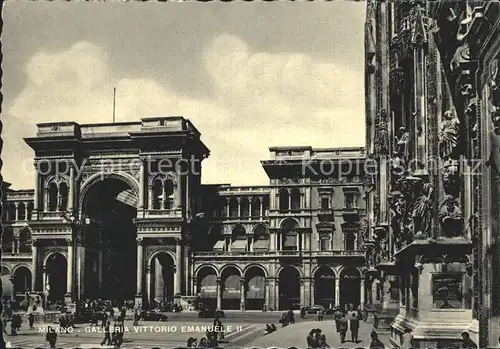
[248,75]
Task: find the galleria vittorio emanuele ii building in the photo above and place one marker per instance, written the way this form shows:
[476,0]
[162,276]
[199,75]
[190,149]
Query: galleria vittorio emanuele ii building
[118,212]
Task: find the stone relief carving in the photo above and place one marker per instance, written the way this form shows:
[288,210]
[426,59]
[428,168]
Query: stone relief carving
[451,218]
[382,134]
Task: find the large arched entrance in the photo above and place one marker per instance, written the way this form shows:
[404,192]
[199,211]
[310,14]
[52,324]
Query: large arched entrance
[207,287]
[56,265]
[110,270]
[7,286]
[324,287]
[231,288]
[289,288]
[22,281]
[162,275]
[255,288]
[350,284]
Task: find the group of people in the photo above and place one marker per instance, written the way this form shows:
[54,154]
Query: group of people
[287,318]
[348,320]
[213,338]
[316,339]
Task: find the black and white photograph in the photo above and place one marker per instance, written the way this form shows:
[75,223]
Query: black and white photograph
[250,174]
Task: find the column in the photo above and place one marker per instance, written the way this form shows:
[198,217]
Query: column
[34,262]
[150,196]
[195,286]
[141,184]
[71,196]
[266,294]
[362,293]
[249,206]
[219,294]
[44,279]
[36,190]
[272,241]
[80,263]
[140,257]
[17,210]
[239,207]
[148,283]
[187,272]
[261,202]
[228,208]
[337,292]
[277,294]
[178,267]
[14,245]
[242,294]
[100,270]
[69,271]
[46,199]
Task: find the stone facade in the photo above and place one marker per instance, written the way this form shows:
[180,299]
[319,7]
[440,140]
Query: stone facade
[121,207]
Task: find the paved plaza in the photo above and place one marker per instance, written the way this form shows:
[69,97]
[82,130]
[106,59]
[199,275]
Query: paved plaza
[295,336]
[242,329]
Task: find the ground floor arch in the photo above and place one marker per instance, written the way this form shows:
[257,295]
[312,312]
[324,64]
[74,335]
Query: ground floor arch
[254,288]
[324,287]
[22,280]
[350,287]
[289,288]
[56,277]
[7,284]
[231,288]
[207,286]
[160,280]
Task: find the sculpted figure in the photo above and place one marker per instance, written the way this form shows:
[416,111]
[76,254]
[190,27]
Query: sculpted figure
[403,143]
[451,218]
[421,212]
[382,137]
[448,135]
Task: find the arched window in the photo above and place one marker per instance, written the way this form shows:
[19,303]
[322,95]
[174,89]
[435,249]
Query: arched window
[255,207]
[245,207]
[12,211]
[63,196]
[289,235]
[169,195]
[157,193]
[21,211]
[24,241]
[7,240]
[233,207]
[284,200]
[52,204]
[295,199]
[238,233]
[30,211]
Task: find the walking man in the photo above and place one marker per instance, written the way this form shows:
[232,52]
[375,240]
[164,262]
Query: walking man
[354,326]
[337,316]
[107,337]
[343,328]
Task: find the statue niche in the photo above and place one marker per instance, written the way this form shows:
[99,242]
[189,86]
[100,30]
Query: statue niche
[403,141]
[451,218]
[449,133]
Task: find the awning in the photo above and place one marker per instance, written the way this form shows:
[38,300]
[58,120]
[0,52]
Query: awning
[256,288]
[239,245]
[7,286]
[208,287]
[261,245]
[219,245]
[232,287]
[128,197]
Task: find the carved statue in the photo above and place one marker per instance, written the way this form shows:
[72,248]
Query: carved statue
[451,218]
[448,135]
[376,209]
[403,141]
[451,178]
[422,207]
[396,204]
[382,136]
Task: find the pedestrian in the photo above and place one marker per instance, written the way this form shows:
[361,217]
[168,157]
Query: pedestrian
[322,342]
[467,342]
[107,336]
[354,326]
[376,343]
[136,318]
[51,337]
[343,324]
[337,315]
[407,339]
[311,339]
[290,317]
[31,320]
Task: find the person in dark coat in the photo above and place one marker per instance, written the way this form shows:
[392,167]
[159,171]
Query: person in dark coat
[468,343]
[343,324]
[31,320]
[337,316]
[354,326]
[290,317]
[376,343]
[311,339]
[51,337]
[107,335]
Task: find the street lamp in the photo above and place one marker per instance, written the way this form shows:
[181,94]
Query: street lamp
[76,234]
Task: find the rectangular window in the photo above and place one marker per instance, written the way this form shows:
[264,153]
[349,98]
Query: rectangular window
[325,203]
[349,243]
[324,244]
[350,201]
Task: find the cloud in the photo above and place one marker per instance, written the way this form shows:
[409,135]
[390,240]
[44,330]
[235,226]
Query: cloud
[259,100]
